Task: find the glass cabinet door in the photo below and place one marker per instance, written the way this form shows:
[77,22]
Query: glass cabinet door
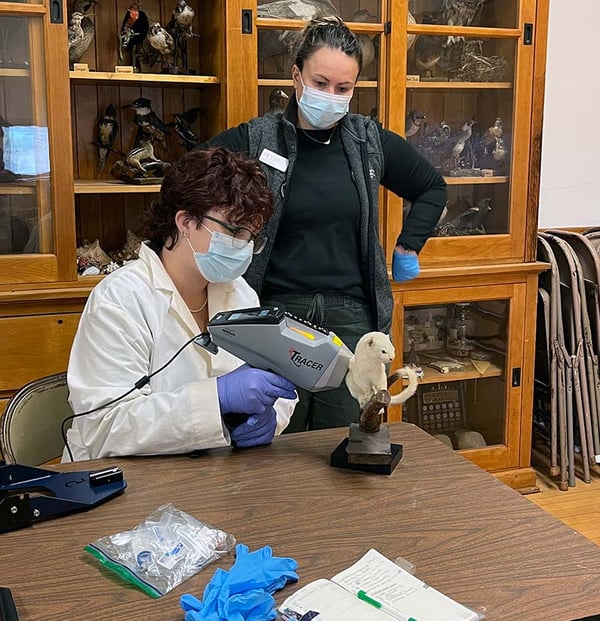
[465,350]
[278,25]
[466,109]
[29,189]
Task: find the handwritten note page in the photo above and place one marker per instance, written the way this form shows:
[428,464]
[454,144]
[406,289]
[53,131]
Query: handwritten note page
[386,582]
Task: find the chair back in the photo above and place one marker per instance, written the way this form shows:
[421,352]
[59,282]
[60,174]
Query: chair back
[30,427]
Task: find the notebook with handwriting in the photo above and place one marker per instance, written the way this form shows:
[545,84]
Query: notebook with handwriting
[373,589]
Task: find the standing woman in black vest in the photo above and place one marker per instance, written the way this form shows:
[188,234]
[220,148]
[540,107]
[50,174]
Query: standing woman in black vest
[324,260]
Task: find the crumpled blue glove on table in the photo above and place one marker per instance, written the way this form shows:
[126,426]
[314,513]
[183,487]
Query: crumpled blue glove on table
[404,266]
[244,592]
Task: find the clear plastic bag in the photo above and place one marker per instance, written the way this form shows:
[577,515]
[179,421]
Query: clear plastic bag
[165,549]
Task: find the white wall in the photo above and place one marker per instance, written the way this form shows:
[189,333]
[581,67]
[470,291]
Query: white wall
[569,185]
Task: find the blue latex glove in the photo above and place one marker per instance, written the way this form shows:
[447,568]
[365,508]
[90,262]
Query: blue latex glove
[404,266]
[244,592]
[258,429]
[252,391]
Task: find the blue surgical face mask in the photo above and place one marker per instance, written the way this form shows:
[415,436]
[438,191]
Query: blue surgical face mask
[320,109]
[222,262]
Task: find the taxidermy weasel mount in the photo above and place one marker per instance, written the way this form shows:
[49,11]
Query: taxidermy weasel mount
[366,374]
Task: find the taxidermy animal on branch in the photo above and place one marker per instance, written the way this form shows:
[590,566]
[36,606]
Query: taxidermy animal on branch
[162,43]
[414,122]
[277,101]
[183,127]
[180,28]
[134,29]
[108,128]
[80,44]
[150,126]
[460,13]
[276,42]
[367,375]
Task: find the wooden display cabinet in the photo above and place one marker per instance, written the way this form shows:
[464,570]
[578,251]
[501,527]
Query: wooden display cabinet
[41,294]
[483,384]
[490,219]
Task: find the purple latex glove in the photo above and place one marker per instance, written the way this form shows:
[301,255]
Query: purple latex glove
[258,429]
[252,391]
[404,266]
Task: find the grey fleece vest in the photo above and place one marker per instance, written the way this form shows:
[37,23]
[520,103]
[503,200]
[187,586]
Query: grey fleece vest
[362,145]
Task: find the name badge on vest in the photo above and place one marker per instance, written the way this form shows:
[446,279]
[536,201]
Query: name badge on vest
[274,160]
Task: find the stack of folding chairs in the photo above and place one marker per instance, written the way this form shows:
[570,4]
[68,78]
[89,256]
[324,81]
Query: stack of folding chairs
[566,418]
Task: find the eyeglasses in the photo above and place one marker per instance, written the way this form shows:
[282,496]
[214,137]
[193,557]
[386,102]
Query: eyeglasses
[241,236]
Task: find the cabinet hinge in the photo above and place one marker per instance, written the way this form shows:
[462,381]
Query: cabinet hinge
[527,33]
[387,27]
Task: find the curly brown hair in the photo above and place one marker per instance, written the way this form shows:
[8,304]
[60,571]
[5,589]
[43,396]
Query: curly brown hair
[204,180]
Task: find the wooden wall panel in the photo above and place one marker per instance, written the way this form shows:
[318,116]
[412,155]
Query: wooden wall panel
[34,346]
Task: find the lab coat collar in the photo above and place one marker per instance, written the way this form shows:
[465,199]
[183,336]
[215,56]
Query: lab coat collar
[218,293]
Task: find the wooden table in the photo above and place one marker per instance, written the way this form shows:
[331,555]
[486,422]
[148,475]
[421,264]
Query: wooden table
[469,535]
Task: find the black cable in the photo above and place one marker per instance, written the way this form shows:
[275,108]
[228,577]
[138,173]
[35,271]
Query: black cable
[139,384]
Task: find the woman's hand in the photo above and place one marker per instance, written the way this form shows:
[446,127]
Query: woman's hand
[405,264]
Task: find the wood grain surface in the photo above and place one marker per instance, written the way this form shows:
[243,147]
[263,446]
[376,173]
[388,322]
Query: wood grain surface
[469,535]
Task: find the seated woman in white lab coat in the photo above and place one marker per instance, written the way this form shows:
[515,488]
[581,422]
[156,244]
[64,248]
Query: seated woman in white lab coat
[202,234]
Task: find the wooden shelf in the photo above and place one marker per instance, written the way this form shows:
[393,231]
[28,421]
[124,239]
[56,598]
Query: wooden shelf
[269,23]
[469,32]
[5,72]
[97,186]
[156,78]
[274,82]
[433,376]
[17,188]
[475,180]
[447,84]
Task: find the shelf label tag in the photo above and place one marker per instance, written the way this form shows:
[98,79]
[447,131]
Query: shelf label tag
[274,160]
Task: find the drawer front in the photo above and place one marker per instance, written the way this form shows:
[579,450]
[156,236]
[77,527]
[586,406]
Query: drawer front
[34,346]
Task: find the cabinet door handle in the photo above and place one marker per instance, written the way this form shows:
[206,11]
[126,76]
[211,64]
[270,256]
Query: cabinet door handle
[56,12]
[527,34]
[246,21]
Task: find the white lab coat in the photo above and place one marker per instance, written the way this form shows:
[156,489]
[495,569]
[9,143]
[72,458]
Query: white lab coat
[134,321]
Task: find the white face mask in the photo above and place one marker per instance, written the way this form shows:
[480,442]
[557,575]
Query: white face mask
[222,262]
[320,109]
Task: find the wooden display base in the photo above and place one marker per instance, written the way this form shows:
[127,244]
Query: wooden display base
[339,459]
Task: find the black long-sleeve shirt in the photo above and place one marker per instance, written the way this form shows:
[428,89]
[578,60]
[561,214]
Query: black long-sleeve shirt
[317,248]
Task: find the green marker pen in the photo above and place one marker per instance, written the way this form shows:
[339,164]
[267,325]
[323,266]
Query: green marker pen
[396,614]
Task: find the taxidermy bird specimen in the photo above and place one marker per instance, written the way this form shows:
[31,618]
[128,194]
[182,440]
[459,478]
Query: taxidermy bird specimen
[367,42]
[428,49]
[150,126]
[277,101]
[108,128]
[459,13]
[470,221]
[134,29]
[80,41]
[180,28]
[492,133]
[183,127]
[461,140]
[277,42]
[163,44]
[415,120]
